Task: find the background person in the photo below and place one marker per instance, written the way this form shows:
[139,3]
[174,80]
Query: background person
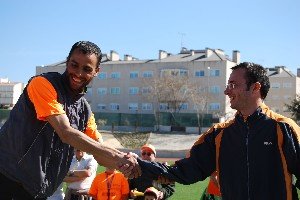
[141,183]
[80,176]
[255,154]
[212,191]
[50,118]
[152,193]
[109,185]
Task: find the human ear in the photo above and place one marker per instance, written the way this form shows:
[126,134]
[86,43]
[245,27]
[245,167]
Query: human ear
[256,86]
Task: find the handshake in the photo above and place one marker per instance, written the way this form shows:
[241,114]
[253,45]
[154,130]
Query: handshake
[129,166]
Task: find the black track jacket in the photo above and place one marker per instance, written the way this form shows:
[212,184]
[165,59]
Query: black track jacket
[255,158]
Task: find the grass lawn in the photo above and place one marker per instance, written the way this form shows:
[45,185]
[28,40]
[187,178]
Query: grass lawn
[182,192]
[191,192]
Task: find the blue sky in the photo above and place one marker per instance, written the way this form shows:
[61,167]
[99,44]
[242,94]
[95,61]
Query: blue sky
[41,32]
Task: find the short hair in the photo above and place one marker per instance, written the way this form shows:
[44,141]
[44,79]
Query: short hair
[255,73]
[86,47]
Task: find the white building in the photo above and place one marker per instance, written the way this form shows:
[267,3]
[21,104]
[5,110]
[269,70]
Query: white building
[118,86]
[9,92]
[284,85]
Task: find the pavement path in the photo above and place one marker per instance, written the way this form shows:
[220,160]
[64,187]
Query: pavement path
[166,144]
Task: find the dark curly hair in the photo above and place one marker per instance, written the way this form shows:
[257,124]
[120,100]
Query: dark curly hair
[87,47]
[255,73]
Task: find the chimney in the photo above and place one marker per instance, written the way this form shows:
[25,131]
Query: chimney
[192,52]
[162,54]
[128,57]
[236,56]
[114,56]
[279,69]
[208,52]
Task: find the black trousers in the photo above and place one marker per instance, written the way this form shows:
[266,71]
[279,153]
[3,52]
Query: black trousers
[10,189]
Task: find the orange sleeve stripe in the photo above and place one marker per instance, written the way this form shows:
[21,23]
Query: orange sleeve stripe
[287,175]
[280,118]
[44,98]
[91,129]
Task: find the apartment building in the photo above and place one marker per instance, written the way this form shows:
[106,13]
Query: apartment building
[119,85]
[284,85]
[9,92]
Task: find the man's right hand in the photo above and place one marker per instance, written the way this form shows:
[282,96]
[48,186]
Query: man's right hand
[129,166]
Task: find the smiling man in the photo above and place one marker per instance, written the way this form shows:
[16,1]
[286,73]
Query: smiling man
[50,119]
[255,154]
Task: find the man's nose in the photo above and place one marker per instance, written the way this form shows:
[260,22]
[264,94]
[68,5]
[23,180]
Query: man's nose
[226,91]
[79,72]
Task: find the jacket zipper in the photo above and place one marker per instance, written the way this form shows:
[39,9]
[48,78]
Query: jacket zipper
[248,170]
[32,143]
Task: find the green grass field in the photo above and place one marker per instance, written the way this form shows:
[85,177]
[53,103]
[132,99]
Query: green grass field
[191,192]
[182,192]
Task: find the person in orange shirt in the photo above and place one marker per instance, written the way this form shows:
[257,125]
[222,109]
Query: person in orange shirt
[109,185]
[212,191]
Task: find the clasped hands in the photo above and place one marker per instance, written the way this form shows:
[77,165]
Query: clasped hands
[131,169]
[129,166]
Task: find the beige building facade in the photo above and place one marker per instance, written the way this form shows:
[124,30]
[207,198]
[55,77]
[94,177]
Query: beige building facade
[284,85]
[9,92]
[119,86]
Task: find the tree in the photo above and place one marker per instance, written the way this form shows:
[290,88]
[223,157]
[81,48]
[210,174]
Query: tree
[294,108]
[172,91]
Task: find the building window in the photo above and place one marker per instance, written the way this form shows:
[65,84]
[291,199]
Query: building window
[163,106]
[199,73]
[214,89]
[102,75]
[146,90]
[287,85]
[115,75]
[214,72]
[214,106]
[101,106]
[102,91]
[275,85]
[133,106]
[184,106]
[199,107]
[174,72]
[202,90]
[147,74]
[146,106]
[134,75]
[287,97]
[114,106]
[133,90]
[115,90]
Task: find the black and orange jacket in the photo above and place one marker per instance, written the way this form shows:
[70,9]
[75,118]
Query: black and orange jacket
[255,158]
[31,153]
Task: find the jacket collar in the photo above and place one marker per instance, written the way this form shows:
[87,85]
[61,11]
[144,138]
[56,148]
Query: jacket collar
[257,114]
